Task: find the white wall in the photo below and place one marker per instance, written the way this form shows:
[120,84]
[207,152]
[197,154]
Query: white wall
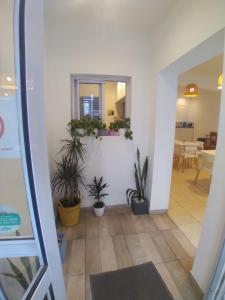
[198,110]
[72,50]
[179,33]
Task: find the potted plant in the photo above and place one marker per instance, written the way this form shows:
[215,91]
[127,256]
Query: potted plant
[122,125]
[87,126]
[68,179]
[96,191]
[137,197]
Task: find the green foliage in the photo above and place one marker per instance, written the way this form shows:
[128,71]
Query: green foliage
[68,175]
[96,189]
[73,148]
[67,179]
[94,127]
[90,127]
[122,123]
[19,276]
[140,181]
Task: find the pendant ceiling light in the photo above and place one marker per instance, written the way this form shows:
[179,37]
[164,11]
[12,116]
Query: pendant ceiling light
[191,90]
[220,82]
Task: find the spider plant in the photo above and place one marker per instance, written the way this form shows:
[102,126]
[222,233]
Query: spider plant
[67,180]
[140,181]
[96,191]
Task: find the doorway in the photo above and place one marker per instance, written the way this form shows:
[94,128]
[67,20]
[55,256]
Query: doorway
[196,127]
[213,225]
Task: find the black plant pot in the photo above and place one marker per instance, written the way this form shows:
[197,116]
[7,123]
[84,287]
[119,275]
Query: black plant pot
[140,208]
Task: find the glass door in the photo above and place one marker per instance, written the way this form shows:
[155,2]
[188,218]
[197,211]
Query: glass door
[29,257]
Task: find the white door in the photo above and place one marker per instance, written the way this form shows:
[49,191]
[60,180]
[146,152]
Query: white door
[30,266]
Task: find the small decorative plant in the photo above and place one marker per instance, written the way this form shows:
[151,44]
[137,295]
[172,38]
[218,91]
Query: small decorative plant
[96,191]
[90,127]
[122,123]
[137,197]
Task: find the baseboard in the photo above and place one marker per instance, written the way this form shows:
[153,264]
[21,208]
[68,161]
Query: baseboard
[199,290]
[158,211]
[124,207]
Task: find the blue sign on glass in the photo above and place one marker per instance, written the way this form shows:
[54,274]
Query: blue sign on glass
[10,220]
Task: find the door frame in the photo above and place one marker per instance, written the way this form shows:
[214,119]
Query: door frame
[164,144]
[28,48]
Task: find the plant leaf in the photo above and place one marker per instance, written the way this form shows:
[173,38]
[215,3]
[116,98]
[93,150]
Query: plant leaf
[19,275]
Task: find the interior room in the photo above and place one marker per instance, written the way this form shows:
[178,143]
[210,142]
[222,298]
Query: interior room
[112,138]
[197,116]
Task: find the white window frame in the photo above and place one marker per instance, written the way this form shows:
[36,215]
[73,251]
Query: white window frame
[76,79]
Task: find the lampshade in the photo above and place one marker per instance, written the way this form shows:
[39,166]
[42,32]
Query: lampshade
[191,90]
[220,82]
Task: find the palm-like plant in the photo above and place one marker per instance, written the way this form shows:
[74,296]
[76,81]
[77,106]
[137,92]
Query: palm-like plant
[140,181]
[73,148]
[96,191]
[67,180]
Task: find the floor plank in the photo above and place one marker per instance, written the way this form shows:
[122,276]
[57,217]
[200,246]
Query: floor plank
[150,250]
[175,245]
[77,258]
[121,250]
[135,249]
[80,229]
[184,241]
[93,260]
[114,225]
[169,281]
[108,257]
[127,225]
[184,284]
[92,227]
[164,250]
[76,287]
[163,222]
[103,226]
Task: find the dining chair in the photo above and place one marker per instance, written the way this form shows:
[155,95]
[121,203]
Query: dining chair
[189,154]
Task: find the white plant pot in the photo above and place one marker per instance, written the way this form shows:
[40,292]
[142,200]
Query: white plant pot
[99,211]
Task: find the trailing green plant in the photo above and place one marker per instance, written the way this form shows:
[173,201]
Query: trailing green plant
[140,181]
[90,127]
[122,123]
[67,180]
[96,191]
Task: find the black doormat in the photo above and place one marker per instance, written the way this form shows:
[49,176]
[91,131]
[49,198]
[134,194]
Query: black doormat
[141,282]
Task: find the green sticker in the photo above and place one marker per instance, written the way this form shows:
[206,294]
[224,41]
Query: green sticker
[9,219]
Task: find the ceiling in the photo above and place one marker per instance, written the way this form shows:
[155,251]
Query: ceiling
[129,15]
[205,75]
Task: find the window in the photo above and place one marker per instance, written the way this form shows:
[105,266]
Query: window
[102,97]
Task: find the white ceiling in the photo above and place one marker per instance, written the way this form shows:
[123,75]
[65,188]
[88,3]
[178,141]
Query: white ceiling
[129,15]
[205,75]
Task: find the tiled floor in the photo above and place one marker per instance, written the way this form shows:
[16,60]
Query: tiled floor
[120,239]
[188,202]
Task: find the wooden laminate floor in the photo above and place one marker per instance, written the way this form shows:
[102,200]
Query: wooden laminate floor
[119,239]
